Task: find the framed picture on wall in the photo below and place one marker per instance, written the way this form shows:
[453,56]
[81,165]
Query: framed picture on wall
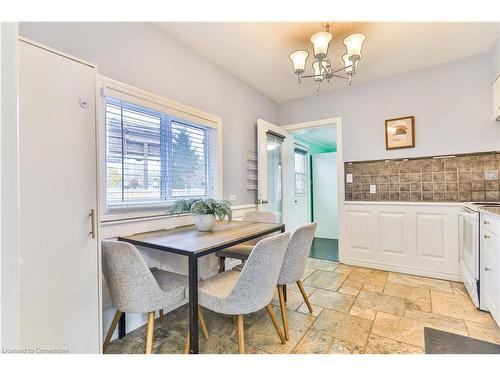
[400,133]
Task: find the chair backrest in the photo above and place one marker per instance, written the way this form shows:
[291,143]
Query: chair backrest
[257,282]
[131,284]
[296,254]
[260,216]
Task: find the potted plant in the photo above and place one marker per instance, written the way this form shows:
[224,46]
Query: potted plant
[204,211]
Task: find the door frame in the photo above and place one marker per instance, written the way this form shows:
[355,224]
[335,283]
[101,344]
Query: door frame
[337,121]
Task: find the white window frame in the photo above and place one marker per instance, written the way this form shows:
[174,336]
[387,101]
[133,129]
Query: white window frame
[305,152]
[109,87]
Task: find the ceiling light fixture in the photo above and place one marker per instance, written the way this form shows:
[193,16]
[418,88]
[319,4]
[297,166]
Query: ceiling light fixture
[322,68]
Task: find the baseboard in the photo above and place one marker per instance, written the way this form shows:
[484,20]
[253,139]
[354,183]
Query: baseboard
[403,269]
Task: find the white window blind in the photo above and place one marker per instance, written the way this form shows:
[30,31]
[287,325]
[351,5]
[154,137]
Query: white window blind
[152,157]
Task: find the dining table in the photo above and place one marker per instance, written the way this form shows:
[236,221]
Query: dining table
[192,243]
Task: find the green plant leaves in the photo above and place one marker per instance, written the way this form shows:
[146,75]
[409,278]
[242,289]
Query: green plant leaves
[221,209]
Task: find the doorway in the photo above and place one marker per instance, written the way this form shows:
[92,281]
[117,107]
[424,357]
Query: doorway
[300,172]
[316,198]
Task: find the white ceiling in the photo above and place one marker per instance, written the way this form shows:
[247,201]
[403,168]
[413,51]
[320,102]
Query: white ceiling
[325,136]
[258,52]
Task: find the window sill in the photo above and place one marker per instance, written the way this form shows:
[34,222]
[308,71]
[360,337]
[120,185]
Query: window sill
[128,217]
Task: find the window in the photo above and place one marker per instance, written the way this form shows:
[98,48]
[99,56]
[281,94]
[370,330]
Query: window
[300,171]
[153,158]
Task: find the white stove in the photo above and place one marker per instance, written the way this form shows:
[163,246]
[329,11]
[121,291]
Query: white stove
[470,251]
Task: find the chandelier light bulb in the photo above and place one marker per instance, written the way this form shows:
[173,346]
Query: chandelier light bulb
[353,44]
[299,61]
[320,42]
[349,64]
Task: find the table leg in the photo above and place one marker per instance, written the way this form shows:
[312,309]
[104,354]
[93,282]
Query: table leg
[193,304]
[122,326]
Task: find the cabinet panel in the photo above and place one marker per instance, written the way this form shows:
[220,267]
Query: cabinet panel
[431,236]
[392,233]
[359,230]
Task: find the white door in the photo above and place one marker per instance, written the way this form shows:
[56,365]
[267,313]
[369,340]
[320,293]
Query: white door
[59,296]
[325,195]
[275,172]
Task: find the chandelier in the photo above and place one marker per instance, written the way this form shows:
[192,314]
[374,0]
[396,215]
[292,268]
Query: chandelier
[322,67]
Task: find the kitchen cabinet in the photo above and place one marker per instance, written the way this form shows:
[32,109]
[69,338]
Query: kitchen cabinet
[490,263]
[496,99]
[417,238]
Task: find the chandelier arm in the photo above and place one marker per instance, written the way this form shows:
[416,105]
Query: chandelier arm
[345,67]
[312,76]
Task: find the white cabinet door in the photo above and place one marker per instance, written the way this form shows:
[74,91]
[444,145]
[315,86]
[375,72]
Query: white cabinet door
[59,296]
[490,275]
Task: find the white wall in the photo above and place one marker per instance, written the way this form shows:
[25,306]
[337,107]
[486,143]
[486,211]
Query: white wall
[144,56]
[325,195]
[451,104]
[9,188]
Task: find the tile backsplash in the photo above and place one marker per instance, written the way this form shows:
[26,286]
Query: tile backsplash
[457,178]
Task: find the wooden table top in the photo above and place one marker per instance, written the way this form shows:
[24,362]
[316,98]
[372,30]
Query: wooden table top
[187,240]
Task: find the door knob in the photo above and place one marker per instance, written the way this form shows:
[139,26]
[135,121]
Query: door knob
[486,236]
[264,201]
[485,222]
[487,269]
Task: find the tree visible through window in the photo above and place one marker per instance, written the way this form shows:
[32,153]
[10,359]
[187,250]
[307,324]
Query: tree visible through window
[152,157]
[300,171]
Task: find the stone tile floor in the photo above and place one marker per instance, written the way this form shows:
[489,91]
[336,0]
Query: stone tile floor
[356,310]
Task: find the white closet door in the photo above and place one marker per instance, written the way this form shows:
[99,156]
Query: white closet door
[59,297]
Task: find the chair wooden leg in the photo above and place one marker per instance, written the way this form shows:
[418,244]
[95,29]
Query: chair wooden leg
[187,346]
[272,315]
[281,295]
[111,330]
[161,315]
[241,334]
[222,264]
[202,322]
[304,295]
[149,332]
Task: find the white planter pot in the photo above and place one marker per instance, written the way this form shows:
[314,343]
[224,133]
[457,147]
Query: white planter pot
[204,223]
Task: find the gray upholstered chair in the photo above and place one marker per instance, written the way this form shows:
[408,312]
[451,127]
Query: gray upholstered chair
[294,264]
[135,288]
[239,293]
[242,251]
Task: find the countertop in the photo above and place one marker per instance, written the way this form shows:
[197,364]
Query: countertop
[491,210]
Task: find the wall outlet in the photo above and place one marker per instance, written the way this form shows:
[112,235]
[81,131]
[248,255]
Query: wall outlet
[491,174]
[232,197]
[348,178]
[373,189]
